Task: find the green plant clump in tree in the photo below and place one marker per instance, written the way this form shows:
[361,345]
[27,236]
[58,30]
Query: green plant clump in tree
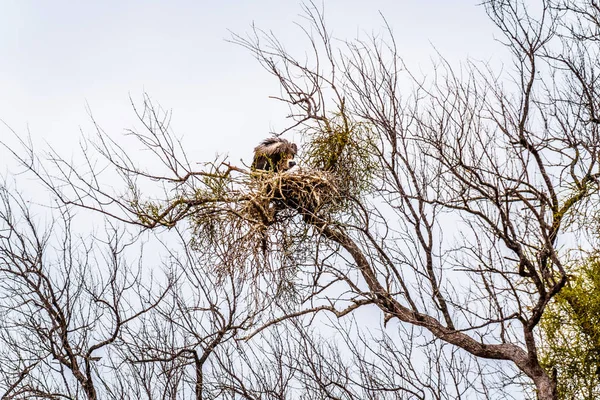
[346,149]
[571,327]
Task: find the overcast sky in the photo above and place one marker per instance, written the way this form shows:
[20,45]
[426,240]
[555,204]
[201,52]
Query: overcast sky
[56,56]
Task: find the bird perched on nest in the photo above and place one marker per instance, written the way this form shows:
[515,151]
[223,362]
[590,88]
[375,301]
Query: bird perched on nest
[274,154]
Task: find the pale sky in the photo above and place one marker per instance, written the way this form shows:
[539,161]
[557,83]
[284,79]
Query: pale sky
[56,56]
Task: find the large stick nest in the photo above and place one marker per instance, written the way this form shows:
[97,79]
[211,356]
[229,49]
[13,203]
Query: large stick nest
[258,225]
[273,196]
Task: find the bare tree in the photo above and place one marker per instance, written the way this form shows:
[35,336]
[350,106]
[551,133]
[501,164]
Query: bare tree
[80,320]
[353,362]
[445,202]
[64,302]
[171,350]
[505,158]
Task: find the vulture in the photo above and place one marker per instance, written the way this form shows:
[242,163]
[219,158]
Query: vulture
[274,154]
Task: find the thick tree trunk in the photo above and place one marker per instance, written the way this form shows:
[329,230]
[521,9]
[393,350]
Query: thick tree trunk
[546,387]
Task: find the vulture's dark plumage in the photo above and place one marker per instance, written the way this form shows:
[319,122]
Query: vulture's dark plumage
[274,154]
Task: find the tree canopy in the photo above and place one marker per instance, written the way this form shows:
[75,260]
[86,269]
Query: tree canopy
[413,255]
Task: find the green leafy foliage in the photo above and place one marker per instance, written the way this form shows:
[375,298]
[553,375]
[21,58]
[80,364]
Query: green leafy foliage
[571,331]
[346,149]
